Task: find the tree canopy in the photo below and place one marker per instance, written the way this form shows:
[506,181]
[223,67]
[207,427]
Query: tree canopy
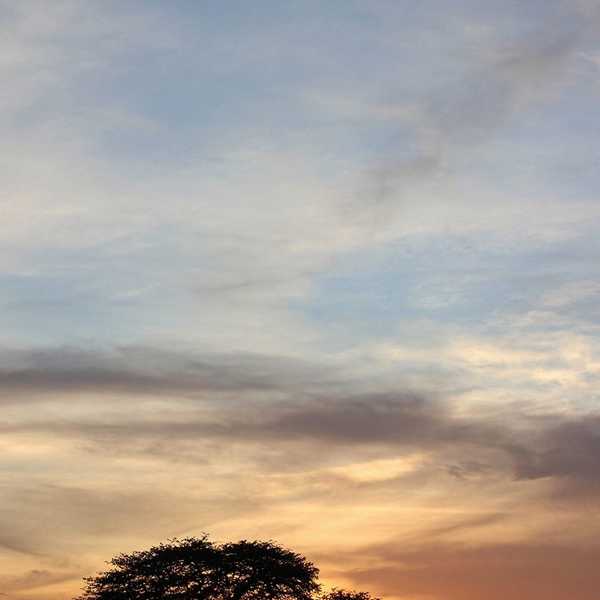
[198,569]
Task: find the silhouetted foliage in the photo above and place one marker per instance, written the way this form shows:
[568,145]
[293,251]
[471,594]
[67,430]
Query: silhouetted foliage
[337,594]
[198,569]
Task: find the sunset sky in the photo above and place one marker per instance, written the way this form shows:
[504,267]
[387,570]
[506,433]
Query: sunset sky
[322,272]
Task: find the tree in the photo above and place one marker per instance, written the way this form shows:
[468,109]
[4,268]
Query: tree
[198,569]
[337,594]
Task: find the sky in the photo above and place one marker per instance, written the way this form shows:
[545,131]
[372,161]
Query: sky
[324,273]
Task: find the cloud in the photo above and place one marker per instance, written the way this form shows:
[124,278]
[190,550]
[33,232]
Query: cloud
[307,401]
[456,119]
[35,578]
[567,449]
[222,398]
[16,542]
[474,108]
[225,457]
[536,571]
[138,370]
[165,188]
[400,418]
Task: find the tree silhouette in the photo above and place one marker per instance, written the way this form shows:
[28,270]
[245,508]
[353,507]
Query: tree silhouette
[338,594]
[198,569]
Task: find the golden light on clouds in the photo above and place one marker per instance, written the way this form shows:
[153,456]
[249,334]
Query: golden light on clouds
[322,273]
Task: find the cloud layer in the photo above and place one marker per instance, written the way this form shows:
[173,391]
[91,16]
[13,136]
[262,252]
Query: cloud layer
[325,274]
